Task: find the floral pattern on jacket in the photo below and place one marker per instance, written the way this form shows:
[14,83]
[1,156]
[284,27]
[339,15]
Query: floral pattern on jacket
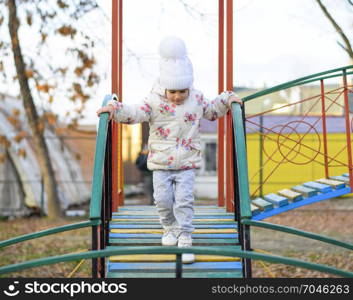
[163,132]
[174,139]
[190,118]
[167,109]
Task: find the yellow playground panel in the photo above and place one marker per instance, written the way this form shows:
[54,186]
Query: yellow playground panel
[283,168]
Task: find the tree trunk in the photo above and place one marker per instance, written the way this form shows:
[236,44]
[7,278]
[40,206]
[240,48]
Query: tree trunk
[40,146]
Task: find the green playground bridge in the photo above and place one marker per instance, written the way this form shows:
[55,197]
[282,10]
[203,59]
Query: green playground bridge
[126,239]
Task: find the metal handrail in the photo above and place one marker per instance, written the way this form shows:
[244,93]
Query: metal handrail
[98,208]
[99,156]
[298,232]
[241,160]
[49,231]
[241,179]
[302,80]
[178,251]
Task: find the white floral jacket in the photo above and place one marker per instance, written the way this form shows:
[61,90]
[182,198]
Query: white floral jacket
[174,138]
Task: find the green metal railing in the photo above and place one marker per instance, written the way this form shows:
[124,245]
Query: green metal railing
[99,156]
[241,162]
[303,80]
[47,232]
[302,233]
[178,251]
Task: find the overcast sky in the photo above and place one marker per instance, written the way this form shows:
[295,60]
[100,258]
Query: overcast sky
[274,41]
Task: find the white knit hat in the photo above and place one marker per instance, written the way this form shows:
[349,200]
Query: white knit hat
[176,71]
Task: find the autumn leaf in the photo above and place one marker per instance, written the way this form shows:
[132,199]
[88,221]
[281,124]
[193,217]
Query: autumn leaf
[16,112]
[62,4]
[77,88]
[88,63]
[4,141]
[92,79]
[14,121]
[22,152]
[51,118]
[62,71]
[66,30]
[20,136]
[29,73]
[79,71]
[44,37]
[43,87]
[29,18]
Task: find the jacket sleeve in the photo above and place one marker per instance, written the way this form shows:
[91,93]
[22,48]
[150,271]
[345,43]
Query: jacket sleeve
[216,108]
[132,113]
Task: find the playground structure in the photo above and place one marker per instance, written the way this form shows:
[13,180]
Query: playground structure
[222,237]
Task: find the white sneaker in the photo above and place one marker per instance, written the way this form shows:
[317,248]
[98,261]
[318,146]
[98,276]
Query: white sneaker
[169,237]
[188,258]
[185,241]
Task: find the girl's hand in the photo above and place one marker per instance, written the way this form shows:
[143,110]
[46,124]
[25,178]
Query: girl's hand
[232,99]
[108,108]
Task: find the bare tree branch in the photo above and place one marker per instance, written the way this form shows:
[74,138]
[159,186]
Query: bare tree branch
[347,45]
[192,11]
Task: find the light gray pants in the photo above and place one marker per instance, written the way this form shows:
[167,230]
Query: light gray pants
[174,197]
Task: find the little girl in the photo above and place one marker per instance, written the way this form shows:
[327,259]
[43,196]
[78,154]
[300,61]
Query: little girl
[174,110]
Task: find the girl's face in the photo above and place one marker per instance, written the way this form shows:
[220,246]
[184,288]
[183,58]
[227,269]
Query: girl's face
[177,96]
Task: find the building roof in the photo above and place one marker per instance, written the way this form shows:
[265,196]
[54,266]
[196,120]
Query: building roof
[285,124]
[21,166]
[301,124]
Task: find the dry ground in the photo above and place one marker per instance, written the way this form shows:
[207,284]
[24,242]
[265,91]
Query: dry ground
[332,218]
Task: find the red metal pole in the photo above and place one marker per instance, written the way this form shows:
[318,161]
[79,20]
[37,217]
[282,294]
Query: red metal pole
[220,128]
[348,129]
[324,131]
[115,89]
[117,174]
[120,131]
[229,86]
[115,53]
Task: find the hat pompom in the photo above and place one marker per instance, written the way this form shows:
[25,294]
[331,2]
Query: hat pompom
[172,47]
[175,67]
